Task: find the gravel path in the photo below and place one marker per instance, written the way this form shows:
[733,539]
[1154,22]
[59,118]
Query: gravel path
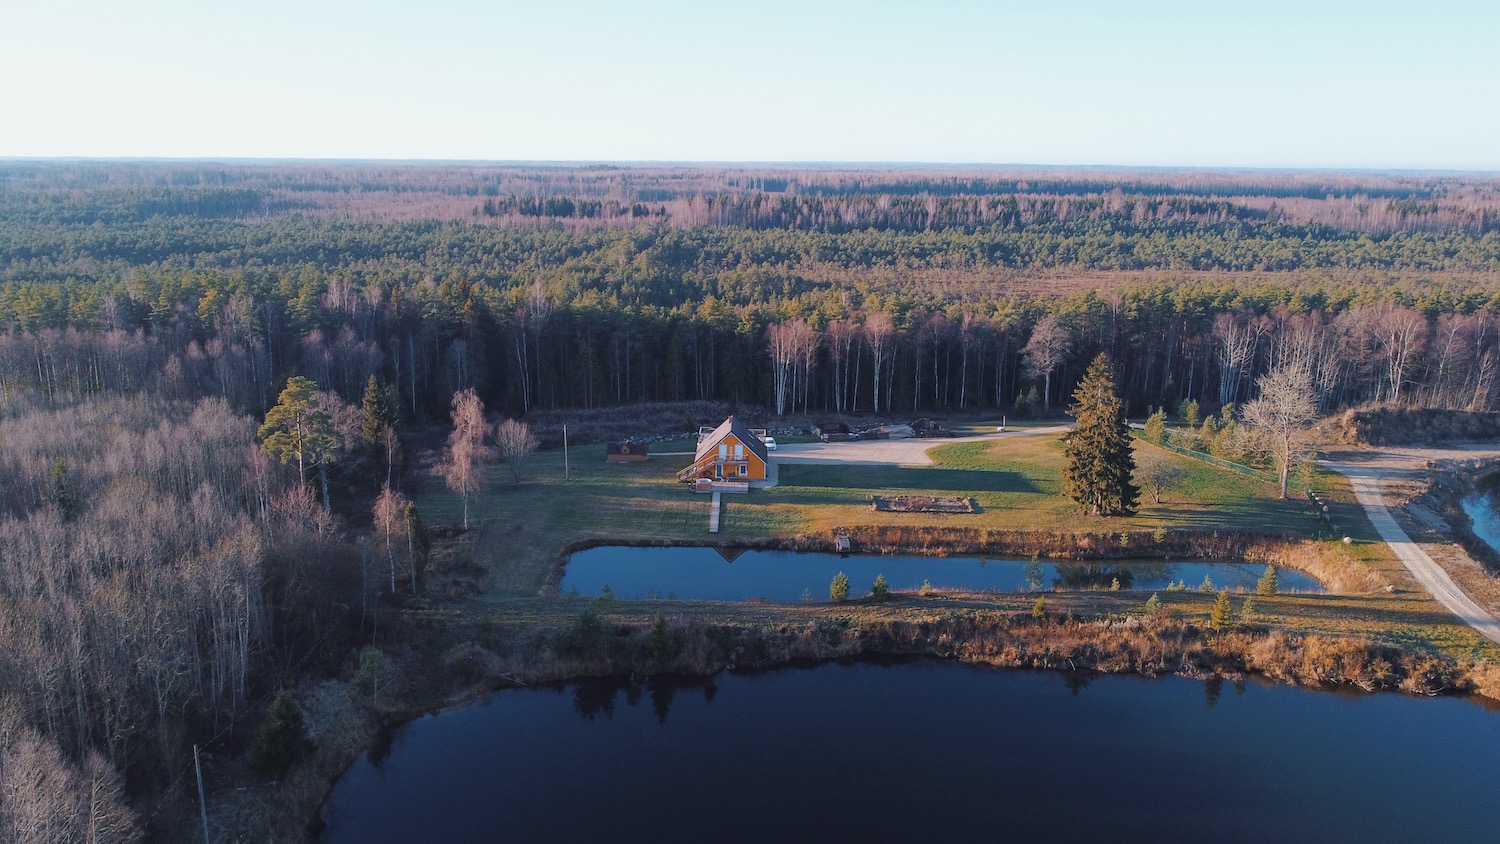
[1367,474]
[911,452]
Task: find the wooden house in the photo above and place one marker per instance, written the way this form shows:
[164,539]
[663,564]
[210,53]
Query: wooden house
[629,451]
[729,452]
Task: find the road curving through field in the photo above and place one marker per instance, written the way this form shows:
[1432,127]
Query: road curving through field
[1366,478]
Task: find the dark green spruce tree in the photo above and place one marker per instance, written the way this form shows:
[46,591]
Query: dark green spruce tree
[282,739]
[379,405]
[1099,458]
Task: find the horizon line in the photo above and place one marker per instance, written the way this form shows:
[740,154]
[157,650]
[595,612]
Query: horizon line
[788,164]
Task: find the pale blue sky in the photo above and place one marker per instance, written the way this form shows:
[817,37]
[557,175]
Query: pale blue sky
[1206,83]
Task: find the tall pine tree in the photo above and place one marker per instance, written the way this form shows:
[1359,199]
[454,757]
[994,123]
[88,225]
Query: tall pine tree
[296,428]
[1100,460]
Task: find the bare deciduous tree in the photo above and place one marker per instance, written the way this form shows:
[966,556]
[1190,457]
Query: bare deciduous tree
[390,524]
[807,357]
[1401,334]
[44,798]
[841,336]
[1155,473]
[1279,417]
[1045,352]
[1238,338]
[390,443]
[880,332]
[467,451]
[782,342]
[515,443]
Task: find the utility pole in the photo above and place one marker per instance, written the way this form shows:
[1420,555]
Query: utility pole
[202,804]
[565,451]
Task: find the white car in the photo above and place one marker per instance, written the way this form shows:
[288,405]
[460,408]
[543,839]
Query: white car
[770,443]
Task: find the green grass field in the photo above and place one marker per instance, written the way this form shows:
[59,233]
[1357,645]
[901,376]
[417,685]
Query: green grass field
[1017,484]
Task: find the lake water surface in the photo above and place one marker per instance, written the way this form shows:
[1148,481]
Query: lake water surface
[704,574]
[928,751]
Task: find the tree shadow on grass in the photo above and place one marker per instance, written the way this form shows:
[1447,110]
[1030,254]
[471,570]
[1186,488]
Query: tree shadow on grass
[913,478]
[1234,515]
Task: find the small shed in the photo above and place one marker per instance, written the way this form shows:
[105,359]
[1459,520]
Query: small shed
[628,451]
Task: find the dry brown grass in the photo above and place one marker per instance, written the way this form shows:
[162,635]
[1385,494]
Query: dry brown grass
[1334,565]
[1110,642]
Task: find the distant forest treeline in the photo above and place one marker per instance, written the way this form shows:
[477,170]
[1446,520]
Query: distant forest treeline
[810,198]
[213,279]
[164,279]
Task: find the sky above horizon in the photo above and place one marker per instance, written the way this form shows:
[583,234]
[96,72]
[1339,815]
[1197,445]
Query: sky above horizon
[1333,84]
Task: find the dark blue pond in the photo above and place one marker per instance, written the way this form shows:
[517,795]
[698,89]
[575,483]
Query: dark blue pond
[704,574]
[1481,510]
[929,751]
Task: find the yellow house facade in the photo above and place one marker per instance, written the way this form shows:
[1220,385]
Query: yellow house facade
[728,453]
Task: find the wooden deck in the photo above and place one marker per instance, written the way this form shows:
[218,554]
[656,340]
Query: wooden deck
[723,486]
[713,515]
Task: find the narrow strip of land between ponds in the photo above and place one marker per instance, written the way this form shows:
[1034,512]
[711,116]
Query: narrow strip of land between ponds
[1366,478]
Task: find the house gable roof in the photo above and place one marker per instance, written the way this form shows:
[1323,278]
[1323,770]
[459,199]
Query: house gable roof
[708,444]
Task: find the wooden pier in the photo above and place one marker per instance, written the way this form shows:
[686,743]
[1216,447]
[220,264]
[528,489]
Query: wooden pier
[713,515]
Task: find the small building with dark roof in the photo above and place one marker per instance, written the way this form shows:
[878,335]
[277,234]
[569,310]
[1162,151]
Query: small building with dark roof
[629,451]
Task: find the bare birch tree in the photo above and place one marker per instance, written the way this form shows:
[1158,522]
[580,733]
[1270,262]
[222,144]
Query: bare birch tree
[807,358]
[390,523]
[880,332]
[467,450]
[1401,333]
[1237,337]
[781,343]
[841,336]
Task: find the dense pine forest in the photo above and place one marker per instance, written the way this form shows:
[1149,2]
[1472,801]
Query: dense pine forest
[161,576]
[554,287]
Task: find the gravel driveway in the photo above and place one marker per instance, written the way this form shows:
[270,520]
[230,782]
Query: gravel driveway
[1368,473]
[911,452]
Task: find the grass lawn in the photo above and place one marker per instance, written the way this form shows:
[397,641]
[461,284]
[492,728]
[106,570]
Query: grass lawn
[1017,484]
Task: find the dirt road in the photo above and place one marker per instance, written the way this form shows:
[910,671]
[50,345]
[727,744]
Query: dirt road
[1369,473]
[890,452]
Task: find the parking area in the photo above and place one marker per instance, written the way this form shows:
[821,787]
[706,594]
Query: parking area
[911,452]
